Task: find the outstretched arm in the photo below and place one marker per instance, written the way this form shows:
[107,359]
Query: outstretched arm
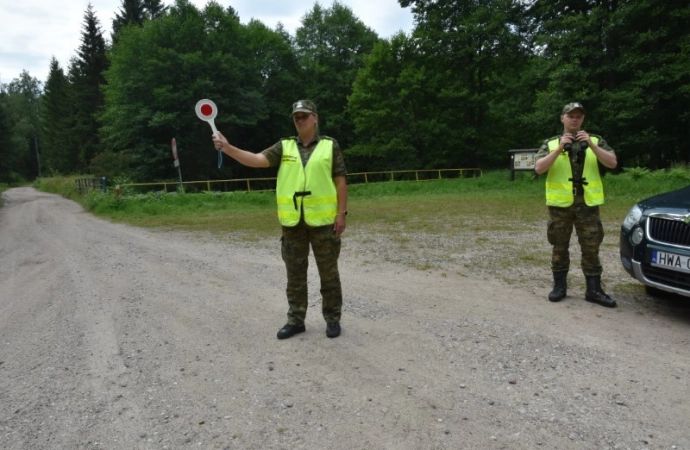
[249,159]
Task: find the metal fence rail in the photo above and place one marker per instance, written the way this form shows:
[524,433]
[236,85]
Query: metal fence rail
[412,175]
[86,184]
[269,184]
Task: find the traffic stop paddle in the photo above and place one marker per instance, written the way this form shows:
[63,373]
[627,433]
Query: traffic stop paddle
[206,110]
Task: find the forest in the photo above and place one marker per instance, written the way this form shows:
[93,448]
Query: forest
[472,80]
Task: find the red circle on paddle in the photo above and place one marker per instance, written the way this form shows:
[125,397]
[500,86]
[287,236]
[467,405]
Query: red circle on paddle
[206,110]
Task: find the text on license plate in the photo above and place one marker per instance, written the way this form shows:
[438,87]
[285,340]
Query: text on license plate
[670,261]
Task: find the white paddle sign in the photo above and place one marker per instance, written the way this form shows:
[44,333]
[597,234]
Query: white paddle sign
[206,110]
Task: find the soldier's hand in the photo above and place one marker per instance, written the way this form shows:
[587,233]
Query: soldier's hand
[567,138]
[219,141]
[339,225]
[583,136]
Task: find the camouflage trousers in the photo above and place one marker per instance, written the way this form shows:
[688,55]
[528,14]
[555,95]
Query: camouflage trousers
[590,234]
[295,251]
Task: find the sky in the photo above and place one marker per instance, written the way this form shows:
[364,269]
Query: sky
[34,31]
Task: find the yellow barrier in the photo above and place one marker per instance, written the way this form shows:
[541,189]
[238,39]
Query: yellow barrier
[419,175]
[268,184]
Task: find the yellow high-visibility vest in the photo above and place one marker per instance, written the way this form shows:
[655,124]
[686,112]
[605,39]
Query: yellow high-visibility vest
[559,188]
[310,189]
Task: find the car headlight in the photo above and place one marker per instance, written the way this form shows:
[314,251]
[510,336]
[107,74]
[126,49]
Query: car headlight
[637,235]
[632,218]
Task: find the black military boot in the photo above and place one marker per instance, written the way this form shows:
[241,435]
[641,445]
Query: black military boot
[560,286]
[595,294]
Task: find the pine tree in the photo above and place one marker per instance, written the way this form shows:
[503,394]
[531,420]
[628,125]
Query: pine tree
[86,74]
[6,156]
[60,153]
[154,9]
[132,12]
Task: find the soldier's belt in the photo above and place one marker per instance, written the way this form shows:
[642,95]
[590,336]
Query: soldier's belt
[299,194]
[578,183]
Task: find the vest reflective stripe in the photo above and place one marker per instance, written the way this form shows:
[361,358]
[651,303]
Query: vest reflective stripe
[559,191]
[321,206]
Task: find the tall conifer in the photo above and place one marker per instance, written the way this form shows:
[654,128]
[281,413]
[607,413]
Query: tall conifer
[86,73]
[132,12]
[5,143]
[60,154]
[154,9]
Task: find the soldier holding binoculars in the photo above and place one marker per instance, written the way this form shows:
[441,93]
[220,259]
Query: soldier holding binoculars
[574,191]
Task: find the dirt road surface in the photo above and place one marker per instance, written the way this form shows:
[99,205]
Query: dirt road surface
[115,337]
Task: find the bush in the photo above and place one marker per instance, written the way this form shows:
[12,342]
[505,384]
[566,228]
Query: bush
[65,186]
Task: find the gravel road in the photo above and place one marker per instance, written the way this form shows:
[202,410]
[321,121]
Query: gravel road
[116,337]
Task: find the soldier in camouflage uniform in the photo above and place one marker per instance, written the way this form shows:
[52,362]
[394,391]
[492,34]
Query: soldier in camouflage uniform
[574,191]
[312,205]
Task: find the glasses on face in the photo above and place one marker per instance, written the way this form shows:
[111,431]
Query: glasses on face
[300,117]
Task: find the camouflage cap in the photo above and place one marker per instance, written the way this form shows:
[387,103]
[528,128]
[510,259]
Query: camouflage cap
[305,106]
[572,107]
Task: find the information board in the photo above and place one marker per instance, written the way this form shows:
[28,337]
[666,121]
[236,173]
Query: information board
[522,159]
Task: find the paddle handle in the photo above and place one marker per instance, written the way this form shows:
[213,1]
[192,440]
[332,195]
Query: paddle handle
[213,127]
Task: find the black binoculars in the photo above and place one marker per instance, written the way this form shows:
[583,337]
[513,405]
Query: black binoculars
[569,146]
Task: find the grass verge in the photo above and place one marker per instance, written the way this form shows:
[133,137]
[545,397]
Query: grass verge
[489,226]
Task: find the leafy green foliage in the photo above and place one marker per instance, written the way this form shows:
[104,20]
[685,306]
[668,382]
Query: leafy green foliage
[473,80]
[112,165]
[449,83]
[384,108]
[331,45]
[627,62]
[21,101]
[193,54]
[63,185]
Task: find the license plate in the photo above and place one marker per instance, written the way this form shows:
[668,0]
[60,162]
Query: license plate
[679,263]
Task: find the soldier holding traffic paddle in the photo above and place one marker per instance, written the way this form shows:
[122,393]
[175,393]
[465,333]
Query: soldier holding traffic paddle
[311,194]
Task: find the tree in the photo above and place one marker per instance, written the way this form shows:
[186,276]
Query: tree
[132,12]
[271,57]
[331,45]
[135,13]
[60,149]
[86,75]
[154,9]
[7,156]
[160,70]
[387,102]
[471,52]
[627,61]
[22,108]
[648,101]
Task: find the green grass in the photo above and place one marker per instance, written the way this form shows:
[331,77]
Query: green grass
[490,203]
